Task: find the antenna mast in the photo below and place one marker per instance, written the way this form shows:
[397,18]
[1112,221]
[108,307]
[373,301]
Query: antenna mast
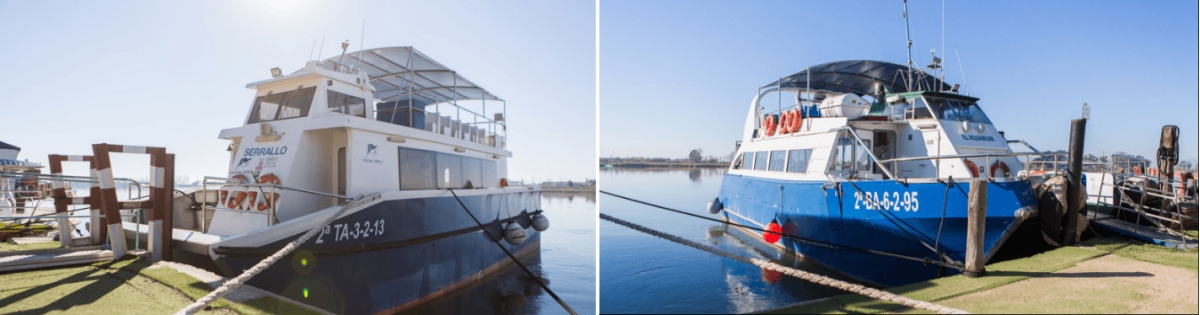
[908,36]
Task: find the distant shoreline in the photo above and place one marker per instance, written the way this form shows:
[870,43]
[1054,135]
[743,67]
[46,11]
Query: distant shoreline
[640,164]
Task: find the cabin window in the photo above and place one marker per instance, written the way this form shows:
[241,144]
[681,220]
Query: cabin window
[290,104]
[777,158]
[417,169]
[472,170]
[798,160]
[760,161]
[746,161]
[848,157]
[947,109]
[449,171]
[346,104]
[490,177]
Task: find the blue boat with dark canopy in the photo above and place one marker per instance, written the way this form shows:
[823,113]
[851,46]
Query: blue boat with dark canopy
[868,166]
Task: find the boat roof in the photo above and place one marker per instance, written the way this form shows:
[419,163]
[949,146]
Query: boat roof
[858,77]
[400,72]
[19,164]
[4,146]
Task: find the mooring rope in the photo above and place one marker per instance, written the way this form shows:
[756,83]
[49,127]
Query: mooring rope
[510,256]
[925,260]
[262,265]
[807,276]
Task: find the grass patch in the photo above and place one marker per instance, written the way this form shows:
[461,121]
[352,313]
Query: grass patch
[1161,255]
[1193,233]
[10,247]
[1151,253]
[999,274]
[127,286]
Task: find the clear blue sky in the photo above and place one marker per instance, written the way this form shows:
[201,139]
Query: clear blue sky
[679,75]
[174,73]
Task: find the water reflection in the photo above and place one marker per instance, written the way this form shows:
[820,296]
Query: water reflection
[695,175]
[640,273]
[566,263]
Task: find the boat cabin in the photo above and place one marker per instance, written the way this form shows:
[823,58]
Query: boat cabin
[860,120]
[378,120]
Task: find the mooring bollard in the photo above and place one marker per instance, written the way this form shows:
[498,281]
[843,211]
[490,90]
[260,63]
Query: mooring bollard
[1075,189]
[976,216]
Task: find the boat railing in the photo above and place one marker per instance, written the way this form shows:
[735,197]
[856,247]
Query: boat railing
[987,158]
[272,218]
[457,121]
[45,183]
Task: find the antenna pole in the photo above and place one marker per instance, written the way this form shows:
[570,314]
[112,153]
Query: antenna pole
[313,49]
[908,35]
[364,35]
[319,51]
[964,73]
[942,71]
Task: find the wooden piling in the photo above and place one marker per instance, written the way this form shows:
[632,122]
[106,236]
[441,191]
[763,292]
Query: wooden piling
[976,216]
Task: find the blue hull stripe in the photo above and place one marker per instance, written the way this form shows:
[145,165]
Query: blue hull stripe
[880,215]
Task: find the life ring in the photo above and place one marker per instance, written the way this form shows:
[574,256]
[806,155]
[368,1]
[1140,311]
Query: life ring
[971,166]
[782,127]
[267,200]
[1001,166]
[797,120]
[769,125]
[235,202]
[224,196]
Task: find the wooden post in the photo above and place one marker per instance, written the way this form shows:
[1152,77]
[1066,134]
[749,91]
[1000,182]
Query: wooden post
[976,216]
[169,202]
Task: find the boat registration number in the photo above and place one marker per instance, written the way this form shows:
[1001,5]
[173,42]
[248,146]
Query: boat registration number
[355,230]
[894,201]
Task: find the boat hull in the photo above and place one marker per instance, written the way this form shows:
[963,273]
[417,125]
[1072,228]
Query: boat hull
[414,250]
[879,215]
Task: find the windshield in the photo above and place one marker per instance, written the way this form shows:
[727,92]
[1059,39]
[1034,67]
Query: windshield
[956,110]
[290,104]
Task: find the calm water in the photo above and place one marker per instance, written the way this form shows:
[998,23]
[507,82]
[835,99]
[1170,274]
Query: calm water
[640,273]
[567,262]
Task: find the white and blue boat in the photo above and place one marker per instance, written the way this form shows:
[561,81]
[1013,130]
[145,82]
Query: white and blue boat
[390,124]
[873,156]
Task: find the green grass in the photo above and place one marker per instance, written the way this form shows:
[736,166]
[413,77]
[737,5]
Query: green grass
[1151,253]
[122,287]
[1193,233]
[9,247]
[999,274]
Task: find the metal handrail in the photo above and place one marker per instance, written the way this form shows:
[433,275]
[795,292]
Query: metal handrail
[271,215]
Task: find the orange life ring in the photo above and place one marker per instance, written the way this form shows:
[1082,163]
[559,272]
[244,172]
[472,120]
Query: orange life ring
[235,202]
[1002,166]
[974,168]
[785,121]
[267,201]
[224,196]
[769,125]
[797,120]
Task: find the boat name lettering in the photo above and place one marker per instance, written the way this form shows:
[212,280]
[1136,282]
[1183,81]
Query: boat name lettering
[352,231]
[895,201]
[266,151]
[978,138]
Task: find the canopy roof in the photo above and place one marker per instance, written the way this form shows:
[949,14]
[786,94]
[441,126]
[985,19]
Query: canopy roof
[398,72]
[8,146]
[19,164]
[859,77]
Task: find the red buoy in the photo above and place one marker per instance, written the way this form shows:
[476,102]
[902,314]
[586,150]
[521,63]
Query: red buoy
[772,237]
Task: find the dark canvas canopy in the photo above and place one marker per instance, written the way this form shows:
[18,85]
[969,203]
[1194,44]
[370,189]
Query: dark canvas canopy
[859,77]
[8,146]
